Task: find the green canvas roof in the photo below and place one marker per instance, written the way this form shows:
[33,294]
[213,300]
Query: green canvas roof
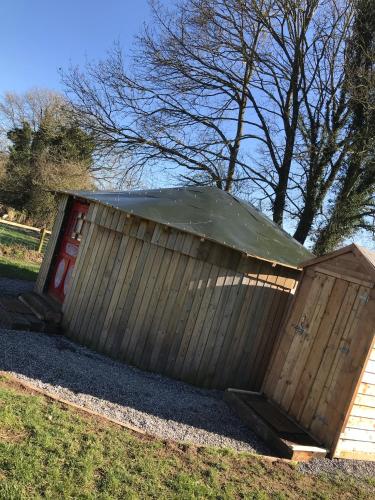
[210,213]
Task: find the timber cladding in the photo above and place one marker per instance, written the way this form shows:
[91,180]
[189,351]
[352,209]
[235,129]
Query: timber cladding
[174,303]
[322,370]
[51,245]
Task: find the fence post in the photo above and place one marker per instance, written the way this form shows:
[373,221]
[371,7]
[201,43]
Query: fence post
[41,239]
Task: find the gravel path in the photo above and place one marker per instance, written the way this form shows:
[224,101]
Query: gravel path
[356,468]
[161,406]
[14,287]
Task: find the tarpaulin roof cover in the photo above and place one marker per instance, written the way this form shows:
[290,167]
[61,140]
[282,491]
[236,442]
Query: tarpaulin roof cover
[210,213]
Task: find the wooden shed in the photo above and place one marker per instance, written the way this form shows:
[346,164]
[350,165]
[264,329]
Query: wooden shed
[322,371]
[188,282]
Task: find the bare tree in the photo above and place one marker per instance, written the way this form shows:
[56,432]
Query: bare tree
[324,123]
[33,107]
[186,100]
[242,94]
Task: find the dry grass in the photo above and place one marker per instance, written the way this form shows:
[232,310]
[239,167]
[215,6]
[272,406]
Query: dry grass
[19,252]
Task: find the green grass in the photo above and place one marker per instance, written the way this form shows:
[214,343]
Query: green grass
[18,256]
[18,269]
[48,450]
[16,236]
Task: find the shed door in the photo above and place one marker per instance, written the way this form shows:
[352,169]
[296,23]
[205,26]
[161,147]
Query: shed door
[318,361]
[67,251]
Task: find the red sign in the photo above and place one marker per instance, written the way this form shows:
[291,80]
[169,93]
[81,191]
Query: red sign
[68,251]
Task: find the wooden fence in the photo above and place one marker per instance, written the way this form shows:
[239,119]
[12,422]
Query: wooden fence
[42,231]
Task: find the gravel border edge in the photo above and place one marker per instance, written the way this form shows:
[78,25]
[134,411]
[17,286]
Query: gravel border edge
[22,383]
[49,395]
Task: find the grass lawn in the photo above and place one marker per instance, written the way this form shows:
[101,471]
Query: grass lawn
[10,235]
[18,256]
[19,269]
[48,450]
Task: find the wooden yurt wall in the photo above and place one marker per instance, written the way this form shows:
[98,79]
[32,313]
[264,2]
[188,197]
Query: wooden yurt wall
[51,245]
[358,437]
[321,351]
[170,302]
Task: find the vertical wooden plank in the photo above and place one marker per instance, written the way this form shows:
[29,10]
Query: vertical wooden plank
[274,363]
[105,288]
[220,379]
[222,330]
[41,281]
[156,331]
[94,283]
[328,406]
[89,274]
[294,366]
[195,344]
[121,332]
[142,297]
[177,364]
[241,324]
[206,334]
[108,253]
[309,409]
[269,292]
[166,270]
[317,349]
[273,327]
[348,368]
[177,314]
[242,376]
[78,300]
[172,305]
[111,296]
[269,331]
[112,320]
[217,331]
[87,231]
[287,336]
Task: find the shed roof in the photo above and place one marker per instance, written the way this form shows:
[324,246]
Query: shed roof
[366,255]
[210,213]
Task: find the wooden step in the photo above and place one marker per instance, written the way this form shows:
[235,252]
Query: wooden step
[278,430]
[15,315]
[42,307]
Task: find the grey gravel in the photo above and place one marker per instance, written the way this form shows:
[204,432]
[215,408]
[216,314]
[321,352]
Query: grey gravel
[161,406]
[14,287]
[356,468]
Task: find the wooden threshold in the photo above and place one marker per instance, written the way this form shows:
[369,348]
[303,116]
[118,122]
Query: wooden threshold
[280,432]
[43,306]
[16,314]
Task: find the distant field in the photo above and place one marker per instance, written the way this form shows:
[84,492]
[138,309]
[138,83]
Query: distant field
[18,253]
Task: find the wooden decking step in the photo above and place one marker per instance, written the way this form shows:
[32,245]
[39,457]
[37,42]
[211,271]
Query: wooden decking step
[279,431]
[44,308]
[15,315]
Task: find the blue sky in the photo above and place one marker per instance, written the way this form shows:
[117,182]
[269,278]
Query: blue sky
[40,36]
